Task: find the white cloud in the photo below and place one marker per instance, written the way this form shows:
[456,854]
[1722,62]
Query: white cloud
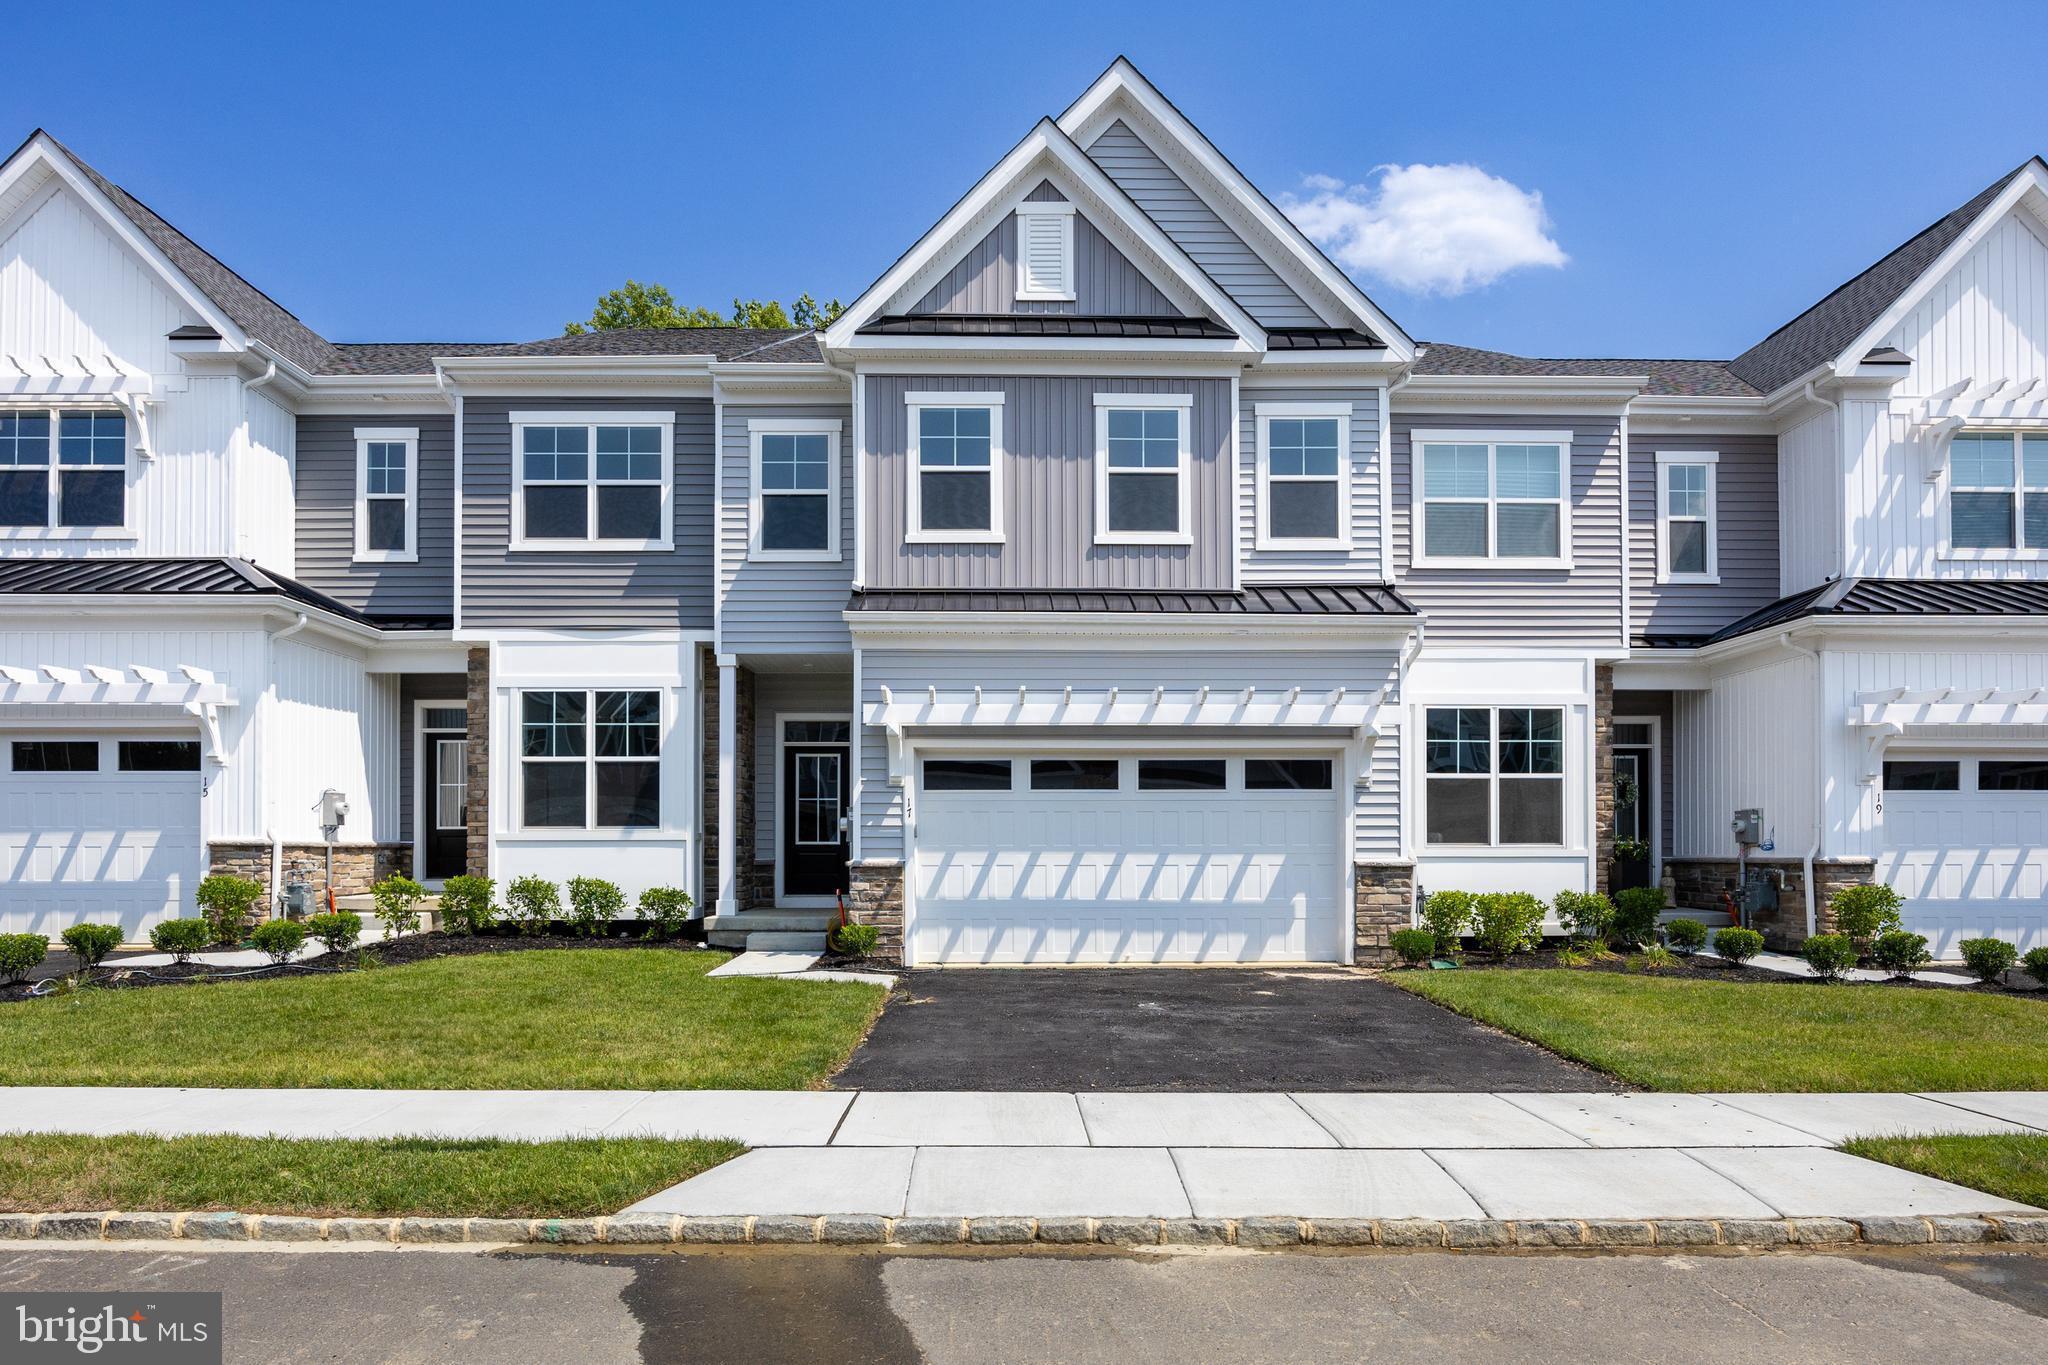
[1427,229]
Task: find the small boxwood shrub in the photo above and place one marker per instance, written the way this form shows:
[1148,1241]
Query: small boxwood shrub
[1863,912]
[1413,946]
[227,902]
[1989,958]
[532,902]
[1900,953]
[1686,936]
[1830,955]
[1448,917]
[278,939]
[1507,922]
[2035,960]
[337,932]
[1635,915]
[466,904]
[856,940]
[1738,945]
[398,899]
[181,937]
[666,910]
[92,942]
[594,903]
[1585,914]
[20,954]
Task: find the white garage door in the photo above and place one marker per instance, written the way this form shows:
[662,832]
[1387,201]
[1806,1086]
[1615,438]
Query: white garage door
[1084,858]
[97,829]
[1966,845]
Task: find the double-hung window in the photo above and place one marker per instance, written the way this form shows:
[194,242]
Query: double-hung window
[1686,519]
[1493,499]
[1493,775]
[593,480]
[387,494]
[956,477]
[63,472]
[1998,493]
[1142,458]
[795,513]
[589,759]
[1304,476]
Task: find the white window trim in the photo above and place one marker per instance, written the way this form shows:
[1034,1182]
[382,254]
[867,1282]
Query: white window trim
[1492,440]
[1494,776]
[591,758]
[915,402]
[50,530]
[1064,212]
[828,427]
[1263,538]
[665,422]
[1712,461]
[1183,471]
[2018,488]
[409,437]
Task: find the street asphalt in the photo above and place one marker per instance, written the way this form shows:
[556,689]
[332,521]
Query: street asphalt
[451,1307]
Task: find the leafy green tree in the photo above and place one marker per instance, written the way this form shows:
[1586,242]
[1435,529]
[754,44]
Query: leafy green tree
[651,305]
[808,312]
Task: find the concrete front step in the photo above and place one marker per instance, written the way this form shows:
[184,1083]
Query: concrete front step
[813,921]
[779,940]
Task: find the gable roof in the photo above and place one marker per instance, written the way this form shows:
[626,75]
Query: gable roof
[1678,378]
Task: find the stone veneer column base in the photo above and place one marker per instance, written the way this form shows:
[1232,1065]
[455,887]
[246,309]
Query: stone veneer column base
[476,858]
[1703,881]
[356,866]
[1603,776]
[1383,900]
[877,899]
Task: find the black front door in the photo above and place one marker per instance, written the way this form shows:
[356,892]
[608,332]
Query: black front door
[447,798]
[815,788]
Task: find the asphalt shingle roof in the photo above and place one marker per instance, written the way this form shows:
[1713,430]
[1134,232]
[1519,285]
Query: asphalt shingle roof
[1686,378]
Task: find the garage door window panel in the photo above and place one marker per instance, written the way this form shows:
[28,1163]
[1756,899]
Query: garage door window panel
[1073,774]
[966,775]
[159,755]
[56,756]
[1288,774]
[2012,775]
[1922,775]
[1182,774]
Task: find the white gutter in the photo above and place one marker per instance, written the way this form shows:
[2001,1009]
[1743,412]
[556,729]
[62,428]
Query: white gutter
[1819,787]
[453,394]
[270,833]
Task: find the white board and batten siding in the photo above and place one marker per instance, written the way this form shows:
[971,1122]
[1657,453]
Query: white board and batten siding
[1809,503]
[1745,742]
[332,724]
[1360,562]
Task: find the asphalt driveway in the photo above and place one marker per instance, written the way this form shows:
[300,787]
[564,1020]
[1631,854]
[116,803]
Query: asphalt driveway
[1187,1029]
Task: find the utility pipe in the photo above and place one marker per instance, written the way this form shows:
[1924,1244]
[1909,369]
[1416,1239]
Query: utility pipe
[1820,798]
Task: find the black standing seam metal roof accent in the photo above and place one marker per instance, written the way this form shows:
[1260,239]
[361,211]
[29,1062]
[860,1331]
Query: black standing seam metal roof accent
[1876,598]
[212,577]
[1045,325]
[1266,599]
[1321,339]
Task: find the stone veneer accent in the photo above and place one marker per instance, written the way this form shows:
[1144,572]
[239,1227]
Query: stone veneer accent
[747,890]
[1383,900]
[1702,881]
[877,899]
[356,866]
[1603,776]
[477,856]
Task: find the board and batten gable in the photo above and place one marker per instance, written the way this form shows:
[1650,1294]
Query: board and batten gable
[1360,563]
[1579,608]
[1048,469]
[326,516]
[503,587]
[1809,503]
[780,606]
[1106,282]
[1745,540]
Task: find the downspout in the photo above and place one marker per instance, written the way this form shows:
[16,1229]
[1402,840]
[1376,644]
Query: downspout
[1819,787]
[270,833]
[856,450]
[1409,653]
[453,396]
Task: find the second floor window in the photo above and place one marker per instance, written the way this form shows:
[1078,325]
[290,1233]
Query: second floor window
[1487,499]
[63,470]
[1304,467]
[387,502]
[1686,551]
[956,484]
[795,513]
[1998,491]
[595,481]
[1141,468]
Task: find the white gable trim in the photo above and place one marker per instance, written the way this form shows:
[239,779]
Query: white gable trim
[1095,109]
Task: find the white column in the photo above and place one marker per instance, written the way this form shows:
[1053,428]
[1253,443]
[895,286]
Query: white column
[728,802]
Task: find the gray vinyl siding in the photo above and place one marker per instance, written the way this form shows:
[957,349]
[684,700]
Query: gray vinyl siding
[1048,472]
[1106,283]
[661,589]
[1746,536]
[1576,609]
[326,516]
[1362,561]
[1194,227]
[777,694]
[417,687]
[1658,704]
[1377,829]
[781,607]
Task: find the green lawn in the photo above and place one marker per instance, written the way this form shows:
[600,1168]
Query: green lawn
[2011,1165]
[1713,1035]
[563,1019]
[337,1178]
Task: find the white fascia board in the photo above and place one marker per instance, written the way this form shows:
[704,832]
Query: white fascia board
[524,369]
[1122,78]
[1661,670]
[967,347]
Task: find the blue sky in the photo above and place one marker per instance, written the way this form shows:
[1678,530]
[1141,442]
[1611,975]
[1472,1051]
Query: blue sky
[428,172]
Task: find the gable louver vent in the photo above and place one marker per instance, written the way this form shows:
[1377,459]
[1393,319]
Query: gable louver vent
[1045,251]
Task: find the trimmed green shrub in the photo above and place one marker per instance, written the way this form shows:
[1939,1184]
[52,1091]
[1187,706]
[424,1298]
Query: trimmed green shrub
[20,953]
[1448,917]
[532,902]
[1900,953]
[856,940]
[92,942]
[1988,958]
[2035,960]
[666,910]
[337,932]
[1830,955]
[227,902]
[593,903]
[1585,914]
[1654,957]
[1863,912]
[1686,936]
[466,904]
[1635,915]
[1507,922]
[1413,946]
[278,939]
[181,937]
[1738,945]
[398,900]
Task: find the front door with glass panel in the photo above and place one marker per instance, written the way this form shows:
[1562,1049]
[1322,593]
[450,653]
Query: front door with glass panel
[445,827]
[1634,810]
[816,785]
